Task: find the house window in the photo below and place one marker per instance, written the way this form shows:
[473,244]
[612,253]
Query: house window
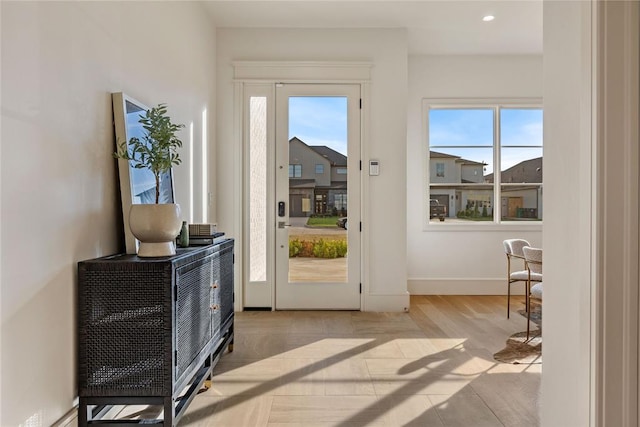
[341,171]
[319,168]
[341,203]
[295,171]
[469,141]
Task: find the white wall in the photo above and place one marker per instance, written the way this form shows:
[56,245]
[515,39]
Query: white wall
[445,260]
[566,382]
[60,200]
[384,202]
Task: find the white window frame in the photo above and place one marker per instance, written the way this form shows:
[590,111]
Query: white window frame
[462,103]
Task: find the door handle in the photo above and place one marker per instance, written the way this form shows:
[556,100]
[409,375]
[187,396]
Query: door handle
[281,224]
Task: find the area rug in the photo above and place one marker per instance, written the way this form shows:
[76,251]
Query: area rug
[519,350]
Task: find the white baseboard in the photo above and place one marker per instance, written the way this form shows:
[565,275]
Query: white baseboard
[70,418]
[388,303]
[462,287]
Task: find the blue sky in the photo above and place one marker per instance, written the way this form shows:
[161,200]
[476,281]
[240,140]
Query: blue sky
[323,121]
[319,121]
[469,133]
[141,179]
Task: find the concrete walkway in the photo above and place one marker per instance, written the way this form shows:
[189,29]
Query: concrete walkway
[318,270]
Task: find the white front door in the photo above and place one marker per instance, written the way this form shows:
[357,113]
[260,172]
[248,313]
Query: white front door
[317,184]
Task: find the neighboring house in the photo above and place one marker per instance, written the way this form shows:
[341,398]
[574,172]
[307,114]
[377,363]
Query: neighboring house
[525,171]
[454,170]
[521,201]
[517,201]
[317,180]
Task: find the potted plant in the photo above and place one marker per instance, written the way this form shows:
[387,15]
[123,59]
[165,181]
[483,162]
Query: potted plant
[154,225]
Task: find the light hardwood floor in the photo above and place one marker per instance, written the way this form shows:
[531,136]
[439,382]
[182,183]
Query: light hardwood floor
[432,366]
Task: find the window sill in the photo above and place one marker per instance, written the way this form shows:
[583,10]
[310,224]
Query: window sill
[436,226]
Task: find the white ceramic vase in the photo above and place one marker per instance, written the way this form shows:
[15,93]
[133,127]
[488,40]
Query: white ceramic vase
[156,227]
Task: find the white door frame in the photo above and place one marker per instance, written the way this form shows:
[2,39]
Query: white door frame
[248,73]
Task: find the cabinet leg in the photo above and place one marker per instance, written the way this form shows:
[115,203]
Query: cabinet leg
[169,412]
[83,413]
[231,335]
[230,346]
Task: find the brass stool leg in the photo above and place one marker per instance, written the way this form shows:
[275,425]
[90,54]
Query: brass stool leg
[508,298]
[528,308]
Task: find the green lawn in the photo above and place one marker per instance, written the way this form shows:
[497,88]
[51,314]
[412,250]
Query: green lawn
[328,221]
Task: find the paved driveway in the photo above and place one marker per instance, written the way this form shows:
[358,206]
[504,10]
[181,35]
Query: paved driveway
[298,229]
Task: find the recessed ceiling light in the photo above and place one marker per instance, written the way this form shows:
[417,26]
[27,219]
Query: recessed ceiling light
[488,18]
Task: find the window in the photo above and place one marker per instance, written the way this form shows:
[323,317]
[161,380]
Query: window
[295,171]
[467,141]
[341,171]
[340,200]
[319,168]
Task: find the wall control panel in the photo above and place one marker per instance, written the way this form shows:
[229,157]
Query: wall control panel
[374,168]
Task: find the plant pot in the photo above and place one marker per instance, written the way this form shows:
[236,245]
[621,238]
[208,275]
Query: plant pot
[156,227]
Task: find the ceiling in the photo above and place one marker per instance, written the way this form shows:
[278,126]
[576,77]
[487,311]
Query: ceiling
[434,27]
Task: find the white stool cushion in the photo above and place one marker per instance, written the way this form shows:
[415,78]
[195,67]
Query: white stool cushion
[536,290]
[524,275]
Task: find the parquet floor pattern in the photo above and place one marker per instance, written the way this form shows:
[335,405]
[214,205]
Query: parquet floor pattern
[432,366]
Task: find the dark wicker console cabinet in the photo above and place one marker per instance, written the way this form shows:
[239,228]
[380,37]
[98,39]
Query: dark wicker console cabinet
[150,330]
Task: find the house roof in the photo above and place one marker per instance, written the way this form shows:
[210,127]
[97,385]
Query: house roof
[438,155]
[471,162]
[302,183]
[525,171]
[335,158]
[458,159]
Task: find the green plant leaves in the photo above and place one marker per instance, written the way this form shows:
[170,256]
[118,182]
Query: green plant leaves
[318,248]
[157,150]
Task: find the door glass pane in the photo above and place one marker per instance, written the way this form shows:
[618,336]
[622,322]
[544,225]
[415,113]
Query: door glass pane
[318,196]
[258,189]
